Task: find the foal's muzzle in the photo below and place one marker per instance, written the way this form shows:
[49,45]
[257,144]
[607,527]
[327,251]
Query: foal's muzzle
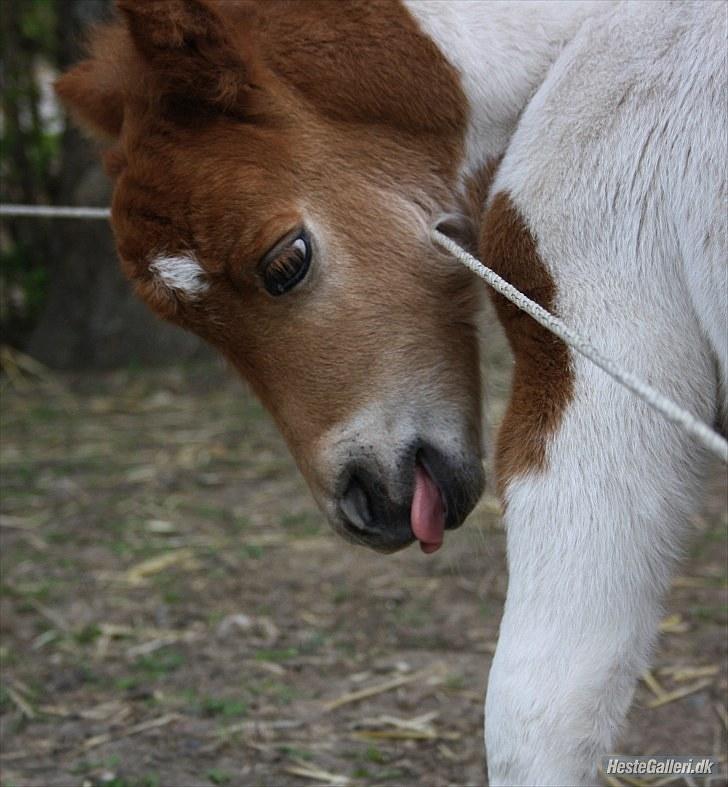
[375,507]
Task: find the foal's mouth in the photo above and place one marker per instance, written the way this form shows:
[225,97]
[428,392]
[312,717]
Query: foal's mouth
[440,499]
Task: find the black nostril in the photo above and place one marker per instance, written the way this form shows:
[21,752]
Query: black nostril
[355,505]
[367,511]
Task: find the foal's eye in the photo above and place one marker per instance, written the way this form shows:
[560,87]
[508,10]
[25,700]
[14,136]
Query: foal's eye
[287,266]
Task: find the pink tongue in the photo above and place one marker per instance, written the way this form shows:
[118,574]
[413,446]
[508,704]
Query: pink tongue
[428,513]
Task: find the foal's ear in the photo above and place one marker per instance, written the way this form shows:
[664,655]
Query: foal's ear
[91,91]
[193,51]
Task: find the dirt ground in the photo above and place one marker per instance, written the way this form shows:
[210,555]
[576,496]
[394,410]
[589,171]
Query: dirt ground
[175,612]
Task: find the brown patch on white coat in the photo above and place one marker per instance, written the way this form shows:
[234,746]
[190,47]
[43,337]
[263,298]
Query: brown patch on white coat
[543,381]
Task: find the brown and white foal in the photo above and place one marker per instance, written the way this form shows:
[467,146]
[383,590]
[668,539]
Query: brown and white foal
[278,167]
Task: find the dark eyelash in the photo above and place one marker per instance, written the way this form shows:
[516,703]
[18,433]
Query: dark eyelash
[289,267]
[287,264]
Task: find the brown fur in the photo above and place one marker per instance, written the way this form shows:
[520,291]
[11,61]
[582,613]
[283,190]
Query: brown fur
[241,121]
[542,379]
[464,227]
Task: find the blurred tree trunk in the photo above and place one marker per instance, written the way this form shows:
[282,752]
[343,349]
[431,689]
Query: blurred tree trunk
[91,318]
[23,250]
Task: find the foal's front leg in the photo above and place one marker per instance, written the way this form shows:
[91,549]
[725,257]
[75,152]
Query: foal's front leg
[592,529]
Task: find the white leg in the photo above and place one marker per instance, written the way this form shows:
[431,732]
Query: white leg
[591,543]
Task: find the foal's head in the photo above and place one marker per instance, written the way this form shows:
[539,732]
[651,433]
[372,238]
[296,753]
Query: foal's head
[277,168]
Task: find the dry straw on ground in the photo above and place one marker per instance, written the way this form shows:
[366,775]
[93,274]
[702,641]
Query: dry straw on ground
[175,611]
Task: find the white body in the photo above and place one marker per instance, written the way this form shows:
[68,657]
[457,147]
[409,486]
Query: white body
[611,119]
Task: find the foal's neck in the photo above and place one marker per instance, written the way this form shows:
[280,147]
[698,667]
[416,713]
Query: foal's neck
[503,51]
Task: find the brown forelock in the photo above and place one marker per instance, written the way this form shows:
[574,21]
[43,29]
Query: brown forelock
[364,118]
[543,382]
[364,61]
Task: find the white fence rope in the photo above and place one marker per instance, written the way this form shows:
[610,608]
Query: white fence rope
[669,409]
[53,212]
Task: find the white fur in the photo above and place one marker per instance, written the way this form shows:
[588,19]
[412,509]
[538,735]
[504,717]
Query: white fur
[616,159]
[502,51]
[182,273]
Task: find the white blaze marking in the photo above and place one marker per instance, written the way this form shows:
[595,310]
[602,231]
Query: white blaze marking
[181,272]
